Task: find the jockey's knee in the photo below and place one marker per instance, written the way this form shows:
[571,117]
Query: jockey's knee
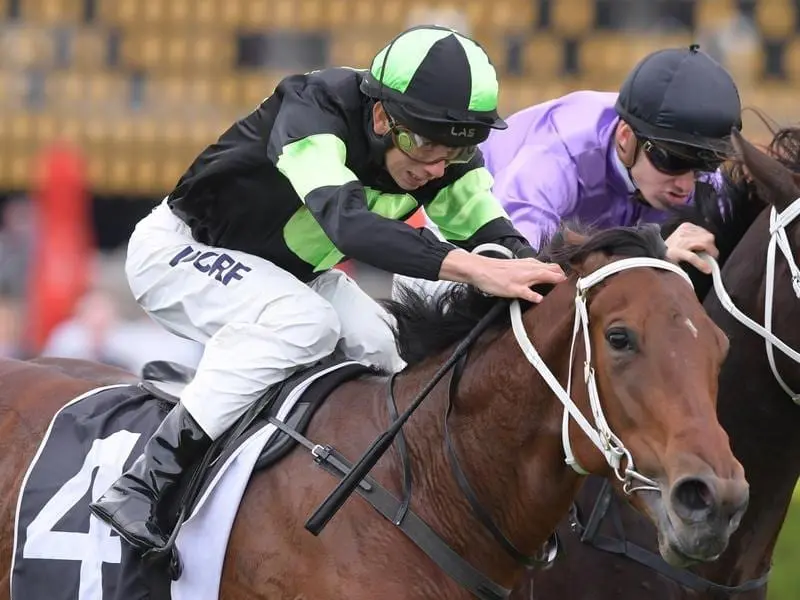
[309,324]
[381,351]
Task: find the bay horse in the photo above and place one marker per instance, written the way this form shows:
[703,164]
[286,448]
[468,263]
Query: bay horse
[642,365]
[755,409]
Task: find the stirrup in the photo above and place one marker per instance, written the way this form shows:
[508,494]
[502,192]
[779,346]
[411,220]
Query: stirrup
[168,552]
[165,554]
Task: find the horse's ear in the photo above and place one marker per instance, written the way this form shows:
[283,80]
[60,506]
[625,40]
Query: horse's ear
[589,263]
[573,238]
[776,184]
[580,265]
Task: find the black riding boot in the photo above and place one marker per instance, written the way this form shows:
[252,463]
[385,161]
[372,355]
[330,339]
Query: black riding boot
[129,506]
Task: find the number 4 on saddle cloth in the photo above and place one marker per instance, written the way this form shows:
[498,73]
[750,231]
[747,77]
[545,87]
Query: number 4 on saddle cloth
[63,552]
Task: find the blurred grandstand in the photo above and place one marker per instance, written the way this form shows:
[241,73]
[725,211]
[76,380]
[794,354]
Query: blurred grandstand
[136,88]
[103,104]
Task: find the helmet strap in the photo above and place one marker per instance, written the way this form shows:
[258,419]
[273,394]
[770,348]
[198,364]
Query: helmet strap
[378,143]
[629,161]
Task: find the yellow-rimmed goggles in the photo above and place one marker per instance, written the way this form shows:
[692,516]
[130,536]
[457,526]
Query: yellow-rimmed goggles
[426,151]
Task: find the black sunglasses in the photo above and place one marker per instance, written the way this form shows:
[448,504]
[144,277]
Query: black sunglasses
[674,161]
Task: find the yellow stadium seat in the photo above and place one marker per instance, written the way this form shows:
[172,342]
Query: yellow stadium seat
[613,55]
[179,13]
[90,47]
[355,51]
[275,14]
[775,18]
[501,17]
[97,132]
[19,172]
[310,15]
[170,171]
[89,91]
[107,89]
[144,50]
[121,133]
[120,177]
[175,53]
[45,128]
[20,129]
[65,89]
[606,55]
[97,169]
[713,14]
[146,132]
[519,93]
[178,51]
[122,12]
[352,14]
[69,128]
[211,53]
[206,12]
[146,171]
[572,17]
[257,86]
[27,46]
[791,60]
[12,88]
[543,56]
[52,11]
[288,15]
[155,12]
[230,14]
[227,91]
[168,92]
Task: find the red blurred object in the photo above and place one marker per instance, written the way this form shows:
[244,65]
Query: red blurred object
[417,219]
[63,251]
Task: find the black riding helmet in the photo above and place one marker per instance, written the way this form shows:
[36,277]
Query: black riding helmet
[437,83]
[684,98]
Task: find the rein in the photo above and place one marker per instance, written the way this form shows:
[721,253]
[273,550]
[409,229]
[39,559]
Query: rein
[588,532]
[601,435]
[604,507]
[778,222]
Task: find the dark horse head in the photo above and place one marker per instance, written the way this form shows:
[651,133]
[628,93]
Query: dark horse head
[754,408]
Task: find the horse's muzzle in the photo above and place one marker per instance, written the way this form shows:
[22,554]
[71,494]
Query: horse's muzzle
[698,517]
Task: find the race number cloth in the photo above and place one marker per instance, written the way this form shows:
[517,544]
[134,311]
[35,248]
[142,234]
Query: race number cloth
[63,552]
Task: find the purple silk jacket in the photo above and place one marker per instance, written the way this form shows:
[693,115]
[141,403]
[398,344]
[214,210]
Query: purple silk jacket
[557,161]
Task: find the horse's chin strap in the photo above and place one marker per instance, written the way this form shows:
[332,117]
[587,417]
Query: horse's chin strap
[778,222]
[601,435]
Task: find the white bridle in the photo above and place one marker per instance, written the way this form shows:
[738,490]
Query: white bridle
[601,435]
[778,222]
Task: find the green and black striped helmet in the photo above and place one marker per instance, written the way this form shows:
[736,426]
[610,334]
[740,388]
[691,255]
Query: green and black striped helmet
[438,83]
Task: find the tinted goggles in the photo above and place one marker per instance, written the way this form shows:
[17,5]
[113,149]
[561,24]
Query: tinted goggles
[677,160]
[425,151]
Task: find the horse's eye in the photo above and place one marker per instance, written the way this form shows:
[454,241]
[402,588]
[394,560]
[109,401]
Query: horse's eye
[620,339]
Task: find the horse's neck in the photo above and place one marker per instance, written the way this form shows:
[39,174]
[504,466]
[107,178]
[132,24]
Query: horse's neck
[760,418]
[506,431]
[763,424]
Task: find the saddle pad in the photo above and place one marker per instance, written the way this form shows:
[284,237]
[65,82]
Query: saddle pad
[63,552]
[203,539]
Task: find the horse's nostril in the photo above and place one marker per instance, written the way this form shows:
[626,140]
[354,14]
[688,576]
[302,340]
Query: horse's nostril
[693,499]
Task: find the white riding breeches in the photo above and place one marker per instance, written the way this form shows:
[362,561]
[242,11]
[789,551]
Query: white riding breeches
[258,322]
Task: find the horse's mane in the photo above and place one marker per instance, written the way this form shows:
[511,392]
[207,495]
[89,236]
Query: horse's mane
[425,327]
